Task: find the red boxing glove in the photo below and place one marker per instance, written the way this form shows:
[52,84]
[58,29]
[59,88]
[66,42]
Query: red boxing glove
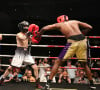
[38,37]
[32,28]
[34,40]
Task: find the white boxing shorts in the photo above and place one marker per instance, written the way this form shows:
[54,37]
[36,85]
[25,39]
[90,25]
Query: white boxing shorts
[22,56]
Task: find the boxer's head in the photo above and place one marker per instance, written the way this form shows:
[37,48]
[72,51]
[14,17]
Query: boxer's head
[62,18]
[23,26]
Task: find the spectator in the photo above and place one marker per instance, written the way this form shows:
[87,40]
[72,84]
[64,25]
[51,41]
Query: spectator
[36,61]
[17,75]
[77,73]
[42,69]
[78,64]
[40,61]
[96,78]
[81,78]
[28,76]
[71,72]
[52,62]
[47,74]
[27,68]
[64,77]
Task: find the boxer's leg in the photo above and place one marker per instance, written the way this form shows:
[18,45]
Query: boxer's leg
[30,61]
[82,55]
[5,74]
[58,63]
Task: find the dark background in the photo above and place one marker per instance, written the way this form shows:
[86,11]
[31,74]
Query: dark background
[44,12]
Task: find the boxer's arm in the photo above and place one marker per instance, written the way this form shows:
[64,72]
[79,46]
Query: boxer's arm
[48,27]
[0,36]
[85,25]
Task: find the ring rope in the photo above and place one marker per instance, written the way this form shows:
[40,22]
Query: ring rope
[94,46]
[4,44]
[60,67]
[9,65]
[32,56]
[9,34]
[46,57]
[51,35]
[48,46]
[41,35]
[93,36]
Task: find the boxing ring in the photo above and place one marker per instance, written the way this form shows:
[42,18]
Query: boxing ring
[54,86]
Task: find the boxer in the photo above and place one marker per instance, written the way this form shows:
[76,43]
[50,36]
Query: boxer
[22,54]
[74,32]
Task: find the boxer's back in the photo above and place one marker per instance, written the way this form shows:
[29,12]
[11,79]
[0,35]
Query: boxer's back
[69,28]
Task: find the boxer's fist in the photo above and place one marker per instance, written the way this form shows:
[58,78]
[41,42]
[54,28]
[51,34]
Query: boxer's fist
[37,36]
[32,28]
[34,40]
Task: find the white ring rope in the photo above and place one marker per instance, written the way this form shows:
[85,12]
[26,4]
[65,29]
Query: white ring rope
[23,66]
[50,67]
[32,56]
[42,35]
[9,34]
[51,35]
[46,57]
[6,65]
[6,55]
[4,44]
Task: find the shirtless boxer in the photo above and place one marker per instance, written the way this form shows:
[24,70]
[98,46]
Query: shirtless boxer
[22,55]
[76,44]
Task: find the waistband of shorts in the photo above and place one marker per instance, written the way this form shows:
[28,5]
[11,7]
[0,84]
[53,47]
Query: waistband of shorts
[22,48]
[77,37]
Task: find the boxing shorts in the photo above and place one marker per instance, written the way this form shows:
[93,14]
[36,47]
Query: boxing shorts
[78,48]
[22,56]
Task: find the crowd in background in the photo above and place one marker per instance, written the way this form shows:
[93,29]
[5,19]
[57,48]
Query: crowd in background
[67,73]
